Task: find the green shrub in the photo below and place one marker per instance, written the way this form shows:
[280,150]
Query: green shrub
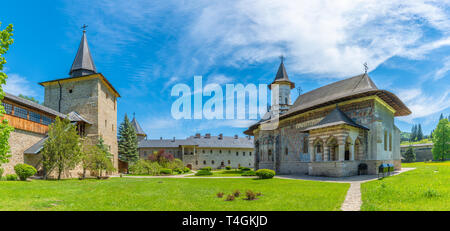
[236,193]
[230,197]
[245,169]
[178,170]
[265,173]
[206,168]
[11,177]
[1,172]
[165,171]
[145,167]
[249,173]
[203,173]
[24,171]
[228,167]
[250,195]
[186,169]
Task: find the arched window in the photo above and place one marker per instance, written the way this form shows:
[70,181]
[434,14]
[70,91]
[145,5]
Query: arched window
[212,161]
[286,151]
[229,162]
[204,162]
[305,145]
[385,140]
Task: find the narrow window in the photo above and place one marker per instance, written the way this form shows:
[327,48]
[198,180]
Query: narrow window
[229,162]
[385,140]
[106,123]
[390,141]
[305,145]
[212,161]
[237,153]
[286,151]
[250,153]
[204,162]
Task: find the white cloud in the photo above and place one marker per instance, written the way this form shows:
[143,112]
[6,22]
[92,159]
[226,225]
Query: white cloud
[16,84]
[219,79]
[441,72]
[325,37]
[421,104]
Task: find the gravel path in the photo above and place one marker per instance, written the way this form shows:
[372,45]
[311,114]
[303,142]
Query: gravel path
[352,200]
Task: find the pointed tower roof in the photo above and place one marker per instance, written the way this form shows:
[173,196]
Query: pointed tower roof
[336,117]
[282,76]
[138,128]
[83,63]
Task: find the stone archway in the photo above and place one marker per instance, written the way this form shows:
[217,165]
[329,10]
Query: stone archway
[318,150]
[348,152]
[333,149]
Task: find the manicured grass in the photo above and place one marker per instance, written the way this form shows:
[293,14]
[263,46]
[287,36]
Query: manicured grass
[222,173]
[185,194]
[425,188]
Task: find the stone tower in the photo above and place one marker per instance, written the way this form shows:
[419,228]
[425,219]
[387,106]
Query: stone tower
[281,91]
[139,131]
[90,95]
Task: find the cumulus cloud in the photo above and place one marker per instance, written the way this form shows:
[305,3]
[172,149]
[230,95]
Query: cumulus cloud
[16,84]
[422,104]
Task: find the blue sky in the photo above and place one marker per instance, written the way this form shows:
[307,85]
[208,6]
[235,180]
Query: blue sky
[146,47]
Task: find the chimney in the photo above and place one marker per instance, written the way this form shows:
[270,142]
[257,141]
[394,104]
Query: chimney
[236,136]
[173,140]
[197,135]
[208,135]
[220,136]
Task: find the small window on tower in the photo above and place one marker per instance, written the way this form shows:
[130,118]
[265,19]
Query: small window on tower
[70,91]
[106,123]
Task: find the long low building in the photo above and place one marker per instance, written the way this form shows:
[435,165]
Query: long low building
[423,151]
[201,151]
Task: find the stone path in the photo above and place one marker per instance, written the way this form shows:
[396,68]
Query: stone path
[352,200]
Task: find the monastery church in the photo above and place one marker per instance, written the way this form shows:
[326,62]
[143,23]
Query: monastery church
[85,97]
[334,130]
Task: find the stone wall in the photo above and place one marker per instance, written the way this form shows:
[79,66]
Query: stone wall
[208,157]
[334,168]
[423,152]
[20,141]
[90,98]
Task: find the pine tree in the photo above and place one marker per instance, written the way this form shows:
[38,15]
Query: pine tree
[410,155]
[441,140]
[441,117]
[411,136]
[419,133]
[128,143]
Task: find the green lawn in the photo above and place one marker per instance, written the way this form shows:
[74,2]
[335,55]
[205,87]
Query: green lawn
[223,173]
[186,194]
[425,188]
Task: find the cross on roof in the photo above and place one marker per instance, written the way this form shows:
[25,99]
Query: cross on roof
[299,90]
[365,67]
[84,27]
[282,58]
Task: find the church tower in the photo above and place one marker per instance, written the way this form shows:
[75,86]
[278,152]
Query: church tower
[141,135]
[281,91]
[88,94]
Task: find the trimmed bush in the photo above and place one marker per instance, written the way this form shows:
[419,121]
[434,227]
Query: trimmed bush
[203,173]
[244,169]
[11,177]
[186,169]
[24,171]
[236,193]
[165,171]
[178,170]
[249,173]
[206,168]
[230,197]
[228,167]
[265,173]
[1,172]
[250,195]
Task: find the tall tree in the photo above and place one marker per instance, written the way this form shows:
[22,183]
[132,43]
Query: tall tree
[5,129]
[441,140]
[419,133]
[128,143]
[441,117]
[96,158]
[62,149]
[413,136]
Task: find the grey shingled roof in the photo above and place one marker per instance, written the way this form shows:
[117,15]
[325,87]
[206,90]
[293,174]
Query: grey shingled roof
[202,142]
[75,117]
[83,63]
[282,75]
[354,87]
[137,127]
[33,105]
[336,117]
[37,147]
